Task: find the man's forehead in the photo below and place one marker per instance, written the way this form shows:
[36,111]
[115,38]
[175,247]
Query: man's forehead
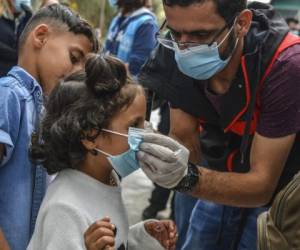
[193,18]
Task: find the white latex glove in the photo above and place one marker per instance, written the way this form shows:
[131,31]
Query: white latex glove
[164,160]
[148,127]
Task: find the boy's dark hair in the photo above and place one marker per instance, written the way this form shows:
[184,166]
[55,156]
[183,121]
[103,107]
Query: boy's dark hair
[83,103]
[60,16]
[226,8]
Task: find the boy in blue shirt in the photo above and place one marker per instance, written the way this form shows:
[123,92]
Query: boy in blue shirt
[54,44]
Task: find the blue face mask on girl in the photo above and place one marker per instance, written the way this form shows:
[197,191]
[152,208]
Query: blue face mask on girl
[19,3]
[203,61]
[126,163]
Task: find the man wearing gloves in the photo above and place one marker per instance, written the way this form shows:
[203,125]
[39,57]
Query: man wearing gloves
[234,71]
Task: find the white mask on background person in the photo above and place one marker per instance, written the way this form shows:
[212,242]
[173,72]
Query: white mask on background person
[113,3]
[295,32]
[19,3]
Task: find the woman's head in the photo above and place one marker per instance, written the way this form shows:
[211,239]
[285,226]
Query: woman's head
[130,5]
[81,106]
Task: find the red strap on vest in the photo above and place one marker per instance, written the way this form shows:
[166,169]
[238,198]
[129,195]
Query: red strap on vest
[238,127]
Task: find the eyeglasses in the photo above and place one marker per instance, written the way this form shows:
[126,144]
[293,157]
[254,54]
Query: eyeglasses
[172,43]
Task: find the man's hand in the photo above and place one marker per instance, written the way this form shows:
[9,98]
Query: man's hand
[100,235]
[164,160]
[164,232]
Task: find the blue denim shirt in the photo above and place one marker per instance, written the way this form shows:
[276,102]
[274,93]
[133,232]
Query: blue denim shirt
[22,185]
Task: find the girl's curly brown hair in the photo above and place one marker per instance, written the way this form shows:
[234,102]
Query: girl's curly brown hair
[84,102]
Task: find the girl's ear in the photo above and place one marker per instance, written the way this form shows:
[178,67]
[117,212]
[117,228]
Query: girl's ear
[88,144]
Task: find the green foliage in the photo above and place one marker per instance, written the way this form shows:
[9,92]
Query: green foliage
[91,10]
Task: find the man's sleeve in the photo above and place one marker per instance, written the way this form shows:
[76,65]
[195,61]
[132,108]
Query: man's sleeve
[10,115]
[144,43]
[280,97]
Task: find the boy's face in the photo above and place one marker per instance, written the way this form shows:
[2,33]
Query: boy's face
[61,54]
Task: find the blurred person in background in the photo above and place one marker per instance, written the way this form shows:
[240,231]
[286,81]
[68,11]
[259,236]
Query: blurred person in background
[49,2]
[149,4]
[14,15]
[293,24]
[132,33]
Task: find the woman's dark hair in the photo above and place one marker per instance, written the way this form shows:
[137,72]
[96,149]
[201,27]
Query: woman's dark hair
[130,5]
[83,103]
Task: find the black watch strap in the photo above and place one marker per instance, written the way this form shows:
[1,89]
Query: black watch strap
[190,180]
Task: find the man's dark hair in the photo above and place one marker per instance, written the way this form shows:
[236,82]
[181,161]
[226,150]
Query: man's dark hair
[59,16]
[226,8]
[291,20]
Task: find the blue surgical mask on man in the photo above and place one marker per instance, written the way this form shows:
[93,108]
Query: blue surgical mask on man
[203,61]
[19,3]
[126,163]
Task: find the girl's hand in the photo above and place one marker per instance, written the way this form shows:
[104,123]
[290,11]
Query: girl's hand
[100,235]
[164,231]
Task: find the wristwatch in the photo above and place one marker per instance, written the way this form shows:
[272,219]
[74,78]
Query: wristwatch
[190,180]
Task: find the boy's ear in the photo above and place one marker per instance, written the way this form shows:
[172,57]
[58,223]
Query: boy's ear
[40,35]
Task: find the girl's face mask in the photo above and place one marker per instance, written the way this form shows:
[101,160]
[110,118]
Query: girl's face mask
[126,163]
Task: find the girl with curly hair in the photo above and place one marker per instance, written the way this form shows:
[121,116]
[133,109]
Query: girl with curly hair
[84,138]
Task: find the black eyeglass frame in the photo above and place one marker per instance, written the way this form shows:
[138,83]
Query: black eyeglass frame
[194,44]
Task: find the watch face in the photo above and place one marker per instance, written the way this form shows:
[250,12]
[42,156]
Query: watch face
[190,180]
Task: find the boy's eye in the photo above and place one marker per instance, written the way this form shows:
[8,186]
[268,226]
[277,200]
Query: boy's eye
[74,59]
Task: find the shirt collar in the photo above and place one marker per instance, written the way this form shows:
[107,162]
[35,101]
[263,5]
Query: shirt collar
[25,79]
